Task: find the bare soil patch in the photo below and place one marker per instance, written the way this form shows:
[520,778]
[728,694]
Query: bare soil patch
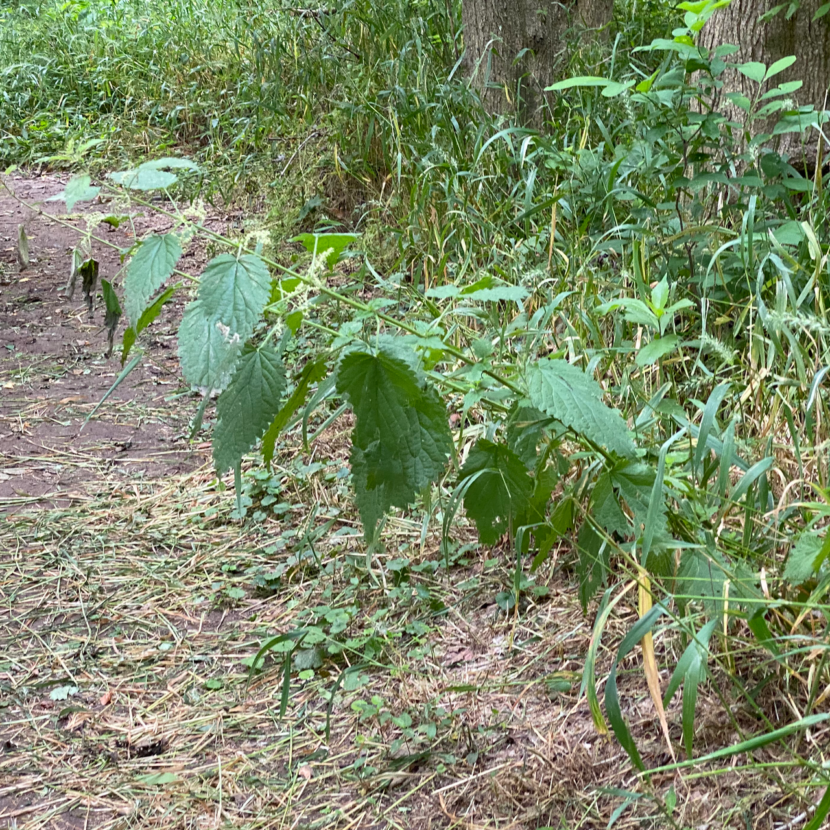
[53,370]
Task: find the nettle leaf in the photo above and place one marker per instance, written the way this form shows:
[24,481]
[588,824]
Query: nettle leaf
[498,490]
[636,483]
[606,507]
[248,405]
[232,294]
[78,189]
[152,175]
[706,576]
[207,350]
[567,394]
[525,430]
[401,439]
[235,290]
[150,267]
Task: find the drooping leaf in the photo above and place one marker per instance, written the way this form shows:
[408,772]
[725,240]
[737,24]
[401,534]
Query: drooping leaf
[561,522]
[567,394]
[88,272]
[401,439]
[635,483]
[113,312]
[127,343]
[247,406]
[499,488]
[605,506]
[313,371]
[525,428]
[645,603]
[22,247]
[152,311]
[612,701]
[74,265]
[152,264]
[535,509]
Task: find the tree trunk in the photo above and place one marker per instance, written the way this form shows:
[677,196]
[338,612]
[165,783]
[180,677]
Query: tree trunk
[513,47]
[767,42]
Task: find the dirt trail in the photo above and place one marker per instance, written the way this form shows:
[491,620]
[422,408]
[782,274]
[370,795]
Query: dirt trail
[53,370]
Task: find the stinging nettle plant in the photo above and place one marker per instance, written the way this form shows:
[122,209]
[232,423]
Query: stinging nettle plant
[669,500]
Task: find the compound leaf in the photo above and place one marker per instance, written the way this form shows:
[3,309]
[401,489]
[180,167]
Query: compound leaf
[498,490]
[566,393]
[401,439]
[247,406]
[152,264]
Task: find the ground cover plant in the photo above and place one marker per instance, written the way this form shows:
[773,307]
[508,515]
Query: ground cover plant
[549,394]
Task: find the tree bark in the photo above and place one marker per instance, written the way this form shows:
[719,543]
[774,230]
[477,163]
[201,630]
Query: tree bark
[513,47]
[767,42]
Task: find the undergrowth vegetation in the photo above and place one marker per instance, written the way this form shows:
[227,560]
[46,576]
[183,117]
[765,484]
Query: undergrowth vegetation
[609,332]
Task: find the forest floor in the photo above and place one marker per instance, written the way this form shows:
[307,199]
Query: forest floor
[133,603]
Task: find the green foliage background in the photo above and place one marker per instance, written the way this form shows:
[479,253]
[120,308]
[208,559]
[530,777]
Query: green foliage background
[625,308]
